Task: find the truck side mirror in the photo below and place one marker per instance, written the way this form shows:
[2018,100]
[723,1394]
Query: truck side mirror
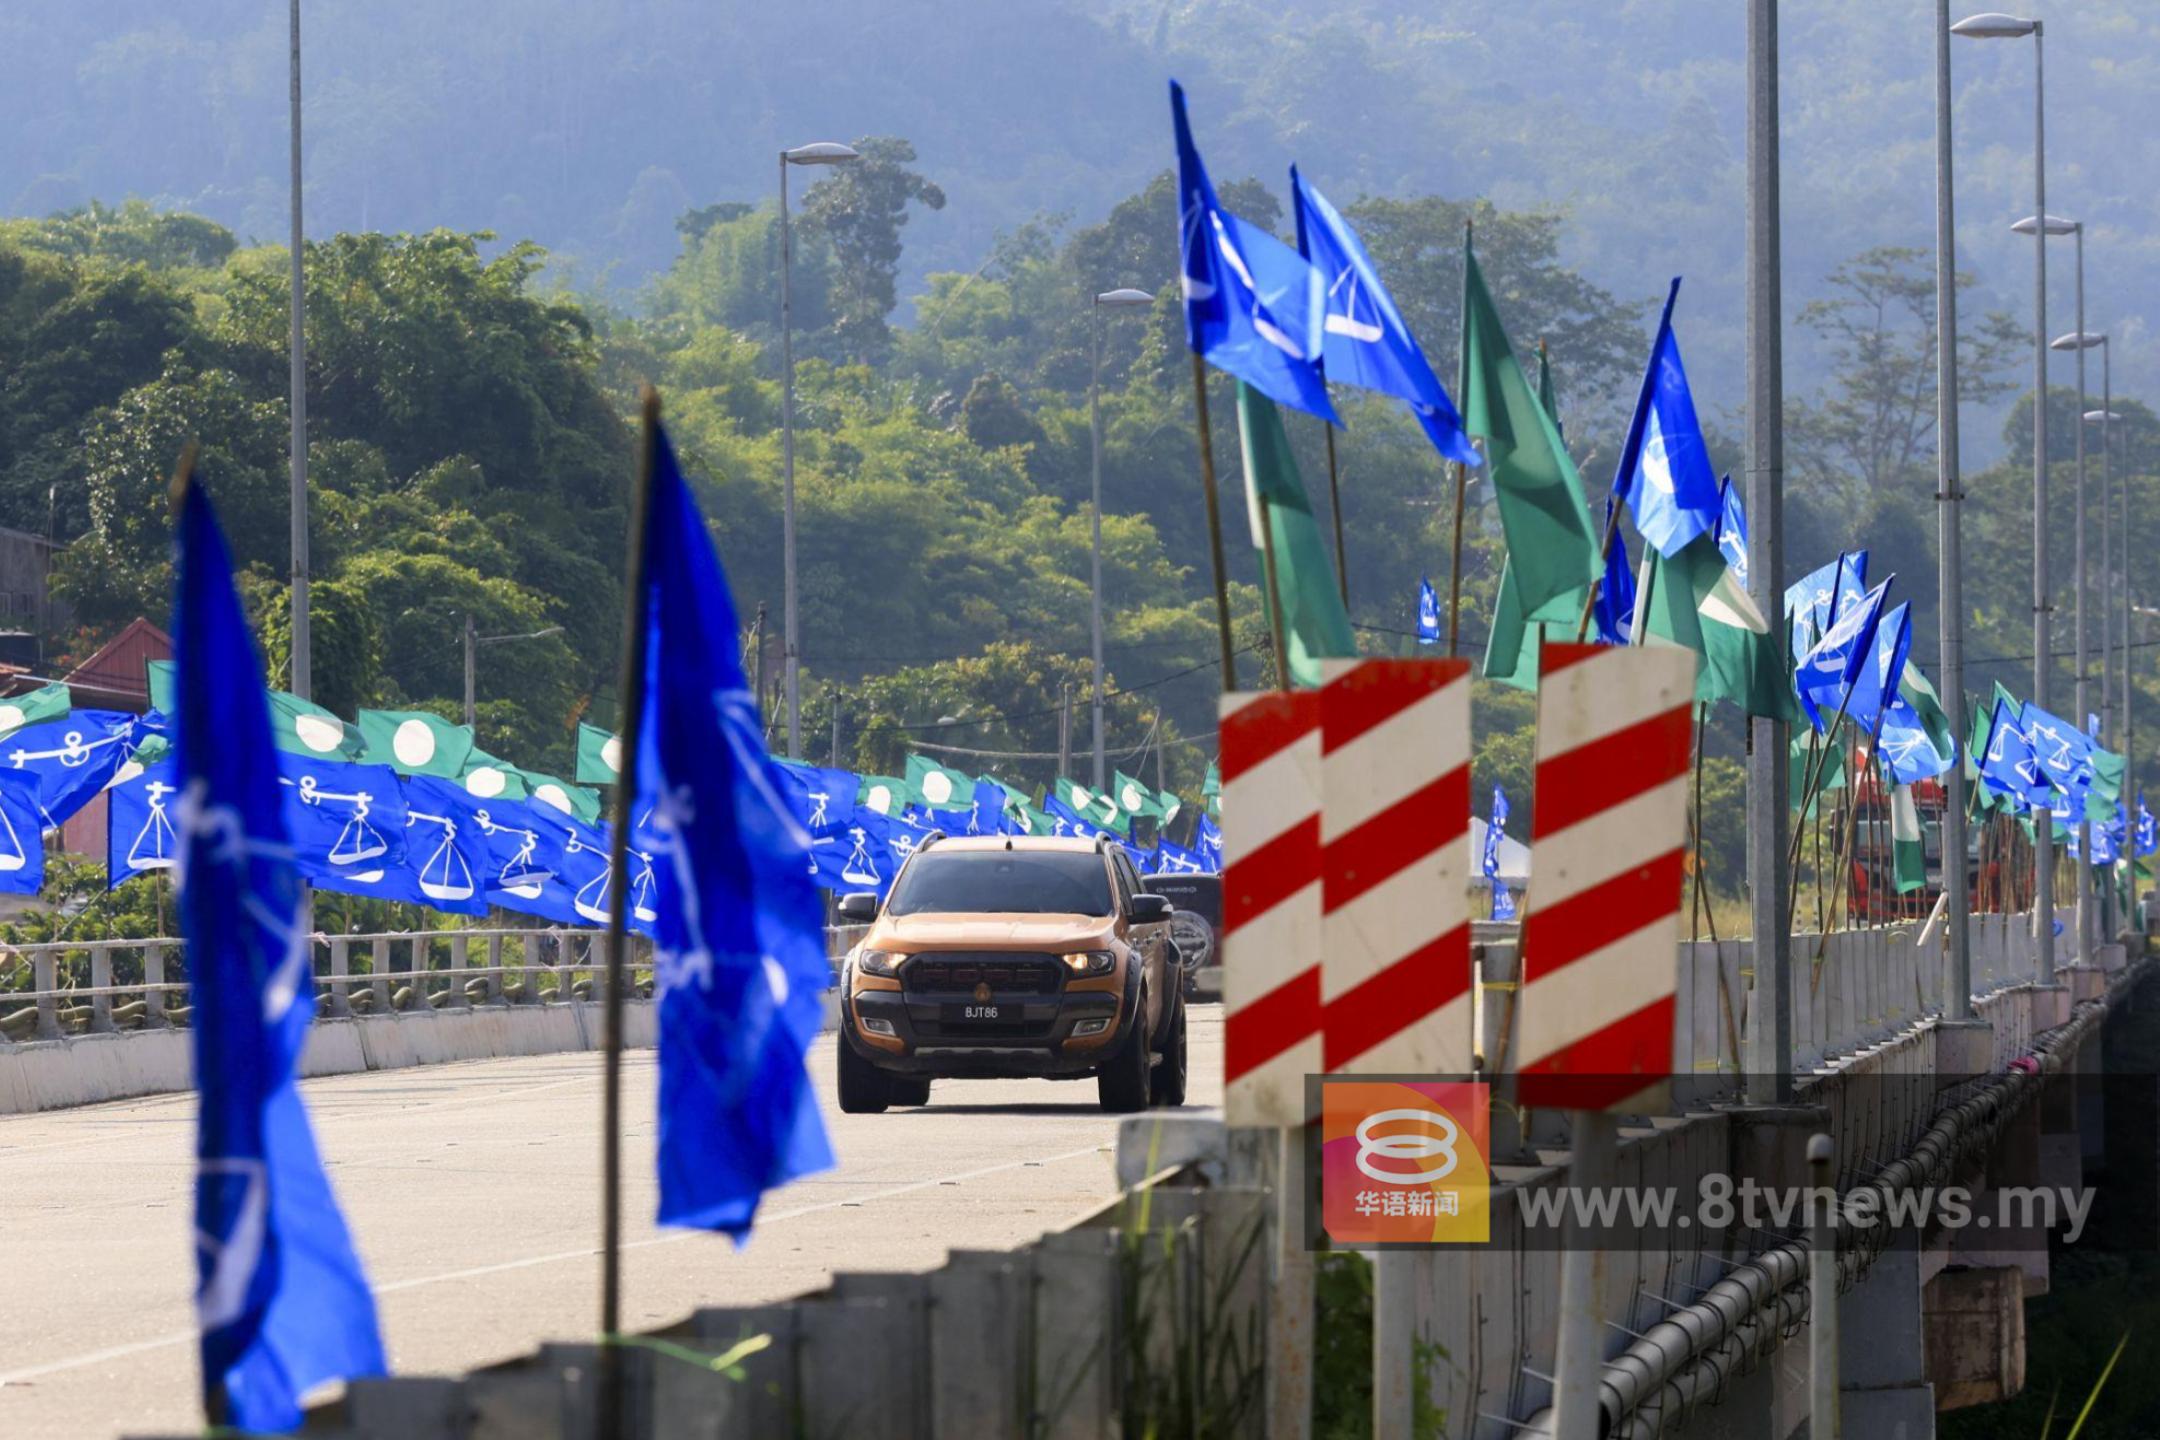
[859,908]
[1151,909]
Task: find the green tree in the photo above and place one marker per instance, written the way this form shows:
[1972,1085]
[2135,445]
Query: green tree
[860,208]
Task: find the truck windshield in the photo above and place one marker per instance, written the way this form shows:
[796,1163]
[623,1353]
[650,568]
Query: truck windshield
[1038,882]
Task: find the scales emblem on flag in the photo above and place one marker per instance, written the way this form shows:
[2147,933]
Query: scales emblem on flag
[444,875]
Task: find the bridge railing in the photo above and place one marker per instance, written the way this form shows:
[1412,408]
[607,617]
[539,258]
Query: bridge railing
[100,986]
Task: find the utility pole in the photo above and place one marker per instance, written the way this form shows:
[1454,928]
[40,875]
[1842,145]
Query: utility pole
[1769,1039]
[1065,729]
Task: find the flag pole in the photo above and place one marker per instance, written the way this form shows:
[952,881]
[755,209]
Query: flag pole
[1214,522]
[1597,582]
[1334,488]
[1462,476]
[636,616]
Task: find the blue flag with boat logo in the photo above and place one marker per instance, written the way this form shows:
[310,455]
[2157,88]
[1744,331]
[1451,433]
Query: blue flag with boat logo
[739,936]
[1664,473]
[1428,613]
[280,1299]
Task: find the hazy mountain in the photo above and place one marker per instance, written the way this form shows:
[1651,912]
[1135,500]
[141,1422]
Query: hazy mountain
[591,128]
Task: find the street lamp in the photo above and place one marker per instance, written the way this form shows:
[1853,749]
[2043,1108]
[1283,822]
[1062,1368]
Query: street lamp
[473,642]
[1108,300]
[825,152]
[1996,26]
[2057,225]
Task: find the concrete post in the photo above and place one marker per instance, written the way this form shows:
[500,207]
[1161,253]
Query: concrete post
[101,1022]
[153,968]
[459,948]
[340,970]
[379,964]
[48,1005]
[495,970]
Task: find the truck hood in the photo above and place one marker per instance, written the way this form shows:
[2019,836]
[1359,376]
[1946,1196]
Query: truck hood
[964,932]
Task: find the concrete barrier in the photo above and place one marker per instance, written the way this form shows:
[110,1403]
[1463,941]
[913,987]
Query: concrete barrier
[87,1069]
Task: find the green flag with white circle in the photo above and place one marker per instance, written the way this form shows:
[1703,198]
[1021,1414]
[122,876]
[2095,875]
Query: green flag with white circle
[47,702]
[1090,804]
[414,742]
[492,779]
[936,786]
[886,794]
[300,726]
[599,756]
[579,800]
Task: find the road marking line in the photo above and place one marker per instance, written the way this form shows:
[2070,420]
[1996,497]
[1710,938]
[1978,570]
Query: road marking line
[121,1352]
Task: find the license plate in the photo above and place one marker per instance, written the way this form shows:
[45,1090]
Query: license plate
[974,1014]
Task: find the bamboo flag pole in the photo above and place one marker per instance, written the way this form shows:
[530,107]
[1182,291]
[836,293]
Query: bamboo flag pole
[631,728]
[1214,522]
[1334,487]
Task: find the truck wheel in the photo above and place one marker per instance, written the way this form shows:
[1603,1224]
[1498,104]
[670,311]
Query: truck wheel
[907,1089]
[864,1089]
[1166,1078]
[1122,1083]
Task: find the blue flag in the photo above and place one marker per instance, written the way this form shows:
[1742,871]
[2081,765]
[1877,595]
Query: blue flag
[1428,613]
[72,758]
[281,1301]
[1875,683]
[739,941]
[2064,753]
[1664,473]
[1503,900]
[2148,830]
[139,833]
[2007,764]
[1732,531]
[1365,341]
[1614,612]
[1207,839]
[1489,862]
[1818,600]
[1908,751]
[523,852]
[347,824]
[1173,859]
[447,852]
[22,850]
[1827,672]
[823,799]
[1253,306]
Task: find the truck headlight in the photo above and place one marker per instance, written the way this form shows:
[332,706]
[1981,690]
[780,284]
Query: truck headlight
[1091,962]
[877,962]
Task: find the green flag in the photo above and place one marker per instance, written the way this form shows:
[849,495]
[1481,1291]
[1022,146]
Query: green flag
[1135,798]
[1550,540]
[1030,820]
[1920,694]
[492,779]
[935,786]
[1802,755]
[47,702]
[1211,789]
[1908,857]
[298,725]
[886,794]
[578,800]
[599,756]
[414,742]
[1088,804]
[1980,796]
[1315,626]
[1511,650]
[1693,599]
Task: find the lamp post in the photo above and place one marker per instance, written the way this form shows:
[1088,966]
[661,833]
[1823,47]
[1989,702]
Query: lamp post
[1950,495]
[825,152]
[1108,300]
[473,642]
[1995,26]
[2057,225]
[302,677]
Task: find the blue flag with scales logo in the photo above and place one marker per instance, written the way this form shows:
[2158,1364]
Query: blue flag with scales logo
[2007,763]
[1253,306]
[739,938]
[281,1301]
[72,758]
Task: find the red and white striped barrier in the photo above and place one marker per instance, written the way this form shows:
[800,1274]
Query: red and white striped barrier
[1395,829]
[1609,844]
[1269,756]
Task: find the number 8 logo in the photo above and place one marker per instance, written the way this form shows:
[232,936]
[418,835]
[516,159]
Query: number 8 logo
[1407,1146]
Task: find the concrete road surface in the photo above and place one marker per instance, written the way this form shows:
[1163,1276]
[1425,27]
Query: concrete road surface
[473,1191]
